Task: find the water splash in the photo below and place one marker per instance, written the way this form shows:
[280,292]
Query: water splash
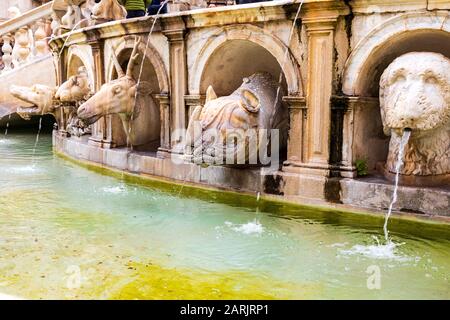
[387,251]
[115,189]
[23,169]
[5,141]
[252,227]
[401,150]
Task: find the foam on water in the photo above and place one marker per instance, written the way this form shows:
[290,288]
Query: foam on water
[377,250]
[115,189]
[6,141]
[252,227]
[23,169]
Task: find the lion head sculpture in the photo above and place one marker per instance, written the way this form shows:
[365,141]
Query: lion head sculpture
[415,95]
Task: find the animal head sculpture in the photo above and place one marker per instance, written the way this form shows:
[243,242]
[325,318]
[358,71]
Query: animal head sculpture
[131,101]
[41,97]
[223,128]
[415,94]
[75,89]
[115,97]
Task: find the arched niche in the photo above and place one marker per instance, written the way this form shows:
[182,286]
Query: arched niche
[418,40]
[237,58]
[405,33]
[235,52]
[147,123]
[77,58]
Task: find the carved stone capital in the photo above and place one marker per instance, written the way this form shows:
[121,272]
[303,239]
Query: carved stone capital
[314,25]
[194,99]
[174,29]
[295,102]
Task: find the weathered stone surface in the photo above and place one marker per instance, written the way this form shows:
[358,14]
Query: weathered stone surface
[377,194]
[231,127]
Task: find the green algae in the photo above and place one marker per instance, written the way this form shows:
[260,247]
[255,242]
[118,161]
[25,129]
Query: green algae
[154,282]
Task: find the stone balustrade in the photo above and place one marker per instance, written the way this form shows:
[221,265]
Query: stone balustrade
[25,37]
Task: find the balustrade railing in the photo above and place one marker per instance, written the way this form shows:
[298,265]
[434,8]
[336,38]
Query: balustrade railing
[25,37]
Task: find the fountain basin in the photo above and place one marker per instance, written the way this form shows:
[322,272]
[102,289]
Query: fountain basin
[371,194]
[124,236]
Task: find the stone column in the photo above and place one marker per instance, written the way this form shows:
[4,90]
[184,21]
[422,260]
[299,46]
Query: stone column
[164,103]
[174,29]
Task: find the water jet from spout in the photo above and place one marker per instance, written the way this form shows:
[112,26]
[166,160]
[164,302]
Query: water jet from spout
[398,165]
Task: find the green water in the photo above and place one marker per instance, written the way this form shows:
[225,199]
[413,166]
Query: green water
[69,232]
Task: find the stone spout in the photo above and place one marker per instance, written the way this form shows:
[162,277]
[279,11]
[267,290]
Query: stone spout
[41,97]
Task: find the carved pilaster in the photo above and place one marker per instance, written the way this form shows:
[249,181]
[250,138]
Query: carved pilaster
[99,135]
[59,57]
[320,34]
[174,29]
[297,123]
[348,170]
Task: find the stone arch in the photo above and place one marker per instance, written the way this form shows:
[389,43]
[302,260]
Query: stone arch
[417,31]
[78,57]
[152,55]
[254,36]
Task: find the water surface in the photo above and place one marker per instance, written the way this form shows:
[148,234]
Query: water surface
[68,232]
